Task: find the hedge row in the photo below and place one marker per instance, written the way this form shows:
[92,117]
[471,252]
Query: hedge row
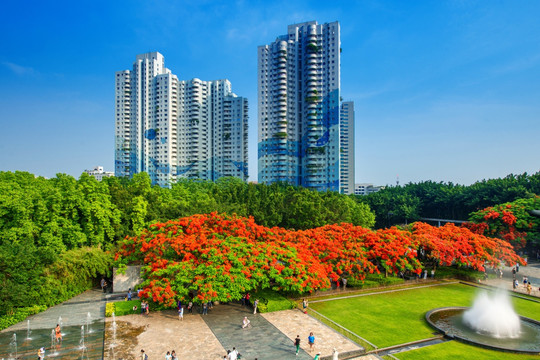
[120,308]
[270,300]
[19,315]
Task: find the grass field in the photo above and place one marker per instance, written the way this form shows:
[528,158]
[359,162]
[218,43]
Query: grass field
[457,350]
[393,318]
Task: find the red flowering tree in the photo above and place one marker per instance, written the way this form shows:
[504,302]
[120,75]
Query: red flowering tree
[221,257]
[510,221]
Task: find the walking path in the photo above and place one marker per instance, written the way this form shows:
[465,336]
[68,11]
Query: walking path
[532,271]
[262,340]
[294,322]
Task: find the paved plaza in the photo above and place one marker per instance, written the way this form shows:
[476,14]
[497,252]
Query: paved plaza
[207,337]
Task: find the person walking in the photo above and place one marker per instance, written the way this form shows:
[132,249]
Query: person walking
[190,307]
[168,356]
[305,305]
[234,354]
[143,355]
[318,356]
[103,284]
[129,295]
[297,344]
[335,354]
[311,341]
[255,304]
[181,313]
[205,308]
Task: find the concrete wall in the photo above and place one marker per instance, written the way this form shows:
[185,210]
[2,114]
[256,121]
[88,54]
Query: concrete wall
[122,282]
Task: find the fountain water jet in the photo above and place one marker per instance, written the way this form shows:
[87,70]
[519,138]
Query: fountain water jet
[13,347]
[491,322]
[88,319]
[28,332]
[493,315]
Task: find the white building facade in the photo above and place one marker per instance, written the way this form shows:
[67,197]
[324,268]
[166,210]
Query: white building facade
[299,107]
[346,138]
[171,129]
[98,173]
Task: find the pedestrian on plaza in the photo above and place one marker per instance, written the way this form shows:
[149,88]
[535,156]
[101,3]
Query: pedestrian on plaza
[529,288]
[335,354]
[297,344]
[243,300]
[514,271]
[247,299]
[234,354]
[311,341]
[205,308]
[173,355]
[517,267]
[129,294]
[516,284]
[305,305]
[255,304]
[246,323]
[525,280]
[143,355]
[168,356]
[210,304]
[103,285]
[147,308]
[190,307]
[181,313]
[344,281]
[318,356]
[433,273]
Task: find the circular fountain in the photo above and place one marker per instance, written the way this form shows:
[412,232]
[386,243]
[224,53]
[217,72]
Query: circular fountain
[491,322]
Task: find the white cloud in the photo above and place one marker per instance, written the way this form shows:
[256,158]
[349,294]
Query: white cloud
[19,69]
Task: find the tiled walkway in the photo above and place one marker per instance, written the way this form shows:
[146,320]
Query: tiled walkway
[262,341]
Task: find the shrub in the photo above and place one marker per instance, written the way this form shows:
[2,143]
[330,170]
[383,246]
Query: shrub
[374,280]
[270,301]
[459,273]
[120,308]
[19,315]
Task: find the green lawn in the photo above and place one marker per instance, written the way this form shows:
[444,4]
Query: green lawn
[394,318]
[457,350]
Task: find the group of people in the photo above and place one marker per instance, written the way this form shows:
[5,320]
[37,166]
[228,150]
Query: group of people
[145,307]
[180,307]
[232,355]
[311,342]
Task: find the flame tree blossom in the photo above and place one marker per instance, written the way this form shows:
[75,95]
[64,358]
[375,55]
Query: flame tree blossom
[221,257]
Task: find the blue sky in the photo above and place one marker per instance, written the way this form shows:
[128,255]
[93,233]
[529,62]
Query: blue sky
[443,90]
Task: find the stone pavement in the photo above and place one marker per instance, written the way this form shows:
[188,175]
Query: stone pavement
[295,322]
[532,271]
[160,332]
[262,340]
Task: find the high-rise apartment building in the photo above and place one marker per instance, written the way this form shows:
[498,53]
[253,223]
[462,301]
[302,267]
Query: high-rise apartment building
[346,152]
[299,107]
[173,129]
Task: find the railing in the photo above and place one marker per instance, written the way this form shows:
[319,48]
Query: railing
[342,330]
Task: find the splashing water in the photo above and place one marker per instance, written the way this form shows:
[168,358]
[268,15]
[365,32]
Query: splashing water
[13,347]
[88,320]
[28,332]
[81,342]
[493,315]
